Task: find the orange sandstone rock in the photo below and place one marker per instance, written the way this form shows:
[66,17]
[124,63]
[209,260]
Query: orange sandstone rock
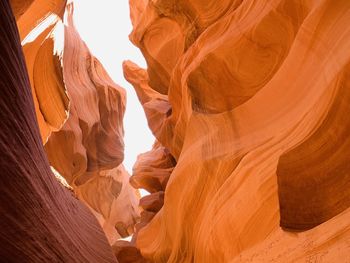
[127,253]
[152,202]
[256,119]
[80,114]
[89,149]
[36,27]
[40,220]
[152,169]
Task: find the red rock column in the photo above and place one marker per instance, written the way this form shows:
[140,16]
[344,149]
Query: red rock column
[40,221]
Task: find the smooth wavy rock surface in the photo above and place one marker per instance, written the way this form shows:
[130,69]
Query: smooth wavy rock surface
[40,220]
[36,24]
[89,149]
[80,113]
[250,99]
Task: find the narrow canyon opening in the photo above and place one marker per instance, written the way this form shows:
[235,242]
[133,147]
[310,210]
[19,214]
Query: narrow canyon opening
[236,129]
[107,38]
[105,27]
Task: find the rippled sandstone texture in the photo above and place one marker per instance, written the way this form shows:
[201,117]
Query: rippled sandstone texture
[80,112]
[249,102]
[40,220]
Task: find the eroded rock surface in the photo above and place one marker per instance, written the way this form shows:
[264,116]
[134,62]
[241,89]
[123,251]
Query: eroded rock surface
[80,113]
[36,23]
[250,100]
[40,220]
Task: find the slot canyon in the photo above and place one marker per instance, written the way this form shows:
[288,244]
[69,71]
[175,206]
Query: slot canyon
[249,105]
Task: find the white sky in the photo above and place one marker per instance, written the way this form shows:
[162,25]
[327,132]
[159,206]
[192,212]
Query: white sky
[105,25]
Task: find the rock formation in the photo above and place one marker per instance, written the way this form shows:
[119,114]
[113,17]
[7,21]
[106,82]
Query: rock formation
[89,149]
[250,100]
[80,113]
[36,24]
[40,220]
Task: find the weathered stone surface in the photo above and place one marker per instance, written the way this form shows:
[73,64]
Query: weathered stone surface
[152,169]
[152,202]
[155,104]
[127,253]
[89,149]
[250,98]
[36,26]
[248,101]
[40,220]
[94,129]
[113,201]
[80,114]
[19,7]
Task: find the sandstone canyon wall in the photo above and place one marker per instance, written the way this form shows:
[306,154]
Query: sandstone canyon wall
[40,220]
[248,101]
[80,114]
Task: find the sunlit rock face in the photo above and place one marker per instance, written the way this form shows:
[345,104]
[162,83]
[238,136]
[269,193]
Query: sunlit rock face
[40,220]
[36,23]
[249,99]
[80,114]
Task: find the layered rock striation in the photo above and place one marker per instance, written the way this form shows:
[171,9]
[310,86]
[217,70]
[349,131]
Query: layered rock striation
[248,102]
[249,99]
[89,149]
[80,113]
[40,220]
